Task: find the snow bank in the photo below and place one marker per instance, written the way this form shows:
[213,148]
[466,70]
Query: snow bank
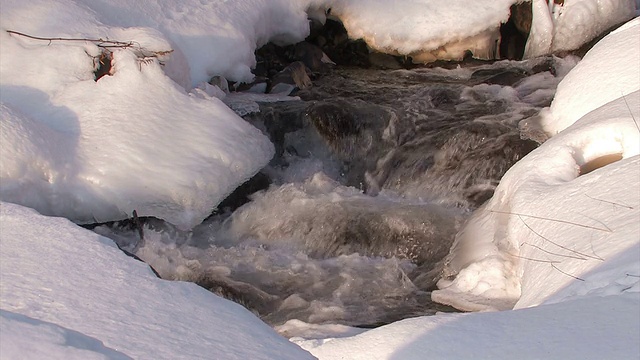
[595,328]
[552,224]
[591,84]
[427,30]
[68,293]
[568,26]
[95,151]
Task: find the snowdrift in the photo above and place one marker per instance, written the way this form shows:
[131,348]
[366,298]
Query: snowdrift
[68,293]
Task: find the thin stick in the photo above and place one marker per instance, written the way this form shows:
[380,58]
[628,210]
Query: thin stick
[558,245]
[628,107]
[554,220]
[536,260]
[575,277]
[555,254]
[112,42]
[610,202]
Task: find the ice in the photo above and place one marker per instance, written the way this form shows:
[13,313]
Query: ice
[68,293]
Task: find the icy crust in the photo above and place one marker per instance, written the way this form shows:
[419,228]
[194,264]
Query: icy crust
[76,296]
[552,223]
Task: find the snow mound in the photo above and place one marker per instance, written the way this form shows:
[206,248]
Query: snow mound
[563,213]
[591,84]
[95,151]
[596,328]
[71,294]
[427,30]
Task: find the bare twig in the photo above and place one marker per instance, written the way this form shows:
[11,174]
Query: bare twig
[102,43]
[111,43]
[554,220]
[555,254]
[610,202]
[635,121]
[566,273]
[558,245]
[536,260]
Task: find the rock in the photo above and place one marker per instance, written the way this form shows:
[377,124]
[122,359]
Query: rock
[312,56]
[240,195]
[515,32]
[384,61]
[293,75]
[220,82]
[504,77]
[259,86]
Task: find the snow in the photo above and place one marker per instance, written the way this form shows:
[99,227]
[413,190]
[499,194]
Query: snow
[139,140]
[590,84]
[568,330]
[568,26]
[95,151]
[549,222]
[70,293]
[556,243]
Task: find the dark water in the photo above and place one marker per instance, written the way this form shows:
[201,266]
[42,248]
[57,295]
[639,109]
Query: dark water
[374,174]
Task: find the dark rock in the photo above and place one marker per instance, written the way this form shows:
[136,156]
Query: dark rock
[312,56]
[504,77]
[240,195]
[270,59]
[384,61]
[515,32]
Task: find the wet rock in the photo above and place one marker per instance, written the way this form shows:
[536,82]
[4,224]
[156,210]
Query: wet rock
[259,85]
[312,56]
[504,77]
[295,75]
[270,59]
[220,82]
[383,61]
[515,32]
[240,195]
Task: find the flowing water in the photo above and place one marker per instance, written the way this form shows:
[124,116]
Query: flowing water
[374,173]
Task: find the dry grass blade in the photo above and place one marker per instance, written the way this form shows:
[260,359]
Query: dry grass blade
[606,229]
[582,256]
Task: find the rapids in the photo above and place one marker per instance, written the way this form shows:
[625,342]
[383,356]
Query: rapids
[375,171]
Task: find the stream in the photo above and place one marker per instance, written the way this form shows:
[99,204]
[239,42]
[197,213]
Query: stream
[375,171]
